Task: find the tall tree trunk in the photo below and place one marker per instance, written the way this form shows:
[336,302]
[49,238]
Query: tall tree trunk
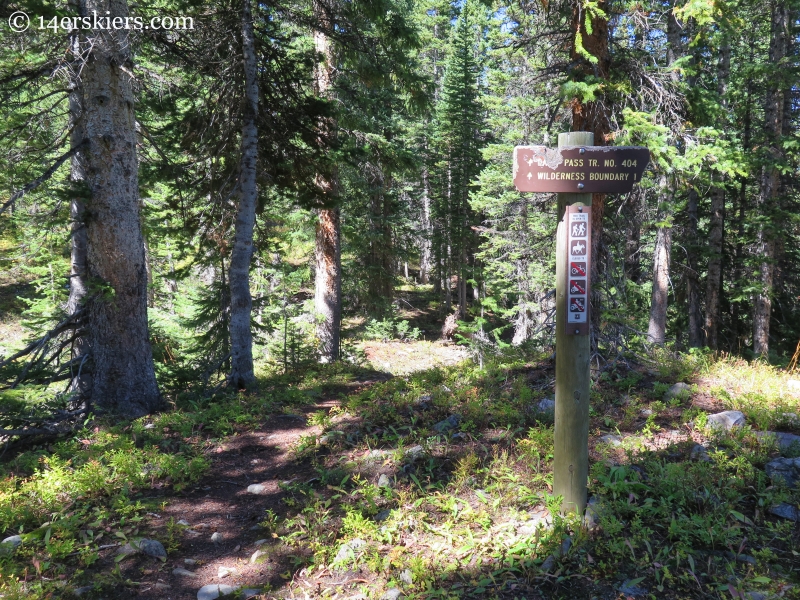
[657,328]
[78,282]
[716,225]
[328,276]
[241,374]
[425,225]
[123,377]
[769,185]
[692,276]
[328,292]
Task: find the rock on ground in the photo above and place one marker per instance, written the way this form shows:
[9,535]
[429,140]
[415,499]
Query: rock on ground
[546,405]
[726,420]
[214,591]
[448,424]
[677,390]
[392,594]
[785,441]
[787,469]
[153,548]
[786,510]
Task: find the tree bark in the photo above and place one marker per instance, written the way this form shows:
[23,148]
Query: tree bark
[716,225]
[241,374]
[327,299]
[78,282]
[425,234]
[328,277]
[657,328]
[123,377]
[692,276]
[769,185]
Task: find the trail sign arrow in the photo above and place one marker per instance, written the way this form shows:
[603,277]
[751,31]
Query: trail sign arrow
[579,169]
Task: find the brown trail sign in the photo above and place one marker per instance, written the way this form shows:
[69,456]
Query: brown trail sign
[579,169]
[576,170]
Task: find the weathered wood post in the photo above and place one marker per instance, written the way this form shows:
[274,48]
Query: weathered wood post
[571,448]
[575,170]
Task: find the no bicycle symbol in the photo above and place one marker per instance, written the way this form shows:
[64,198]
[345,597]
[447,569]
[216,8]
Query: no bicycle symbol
[577,269]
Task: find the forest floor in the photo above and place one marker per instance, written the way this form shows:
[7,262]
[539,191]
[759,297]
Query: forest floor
[353,482]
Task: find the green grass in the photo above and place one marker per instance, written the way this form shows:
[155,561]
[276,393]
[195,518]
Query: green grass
[465,516]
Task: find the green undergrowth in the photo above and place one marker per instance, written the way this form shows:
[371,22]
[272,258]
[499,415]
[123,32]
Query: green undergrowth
[469,510]
[69,500]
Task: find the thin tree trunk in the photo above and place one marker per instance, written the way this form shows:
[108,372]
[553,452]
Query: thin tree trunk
[692,277]
[241,373]
[769,186]
[633,232]
[328,282]
[657,328]
[78,281]
[716,225]
[327,298]
[425,234]
[123,377]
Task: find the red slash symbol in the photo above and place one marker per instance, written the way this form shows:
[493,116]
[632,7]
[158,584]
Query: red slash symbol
[577,287]
[577,269]
[577,305]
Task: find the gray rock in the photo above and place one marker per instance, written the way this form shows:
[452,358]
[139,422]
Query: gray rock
[448,424]
[225,571]
[162,586]
[190,561]
[785,441]
[406,577]
[423,399]
[82,590]
[258,543]
[632,590]
[546,405]
[678,390]
[183,522]
[591,516]
[216,537]
[127,550]
[181,572]
[256,488]
[10,544]
[550,561]
[786,469]
[249,593]
[786,510]
[393,594]
[613,440]
[214,591]
[383,515]
[383,481]
[256,555]
[414,453]
[378,455]
[347,551]
[726,420]
[531,526]
[153,548]
[699,453]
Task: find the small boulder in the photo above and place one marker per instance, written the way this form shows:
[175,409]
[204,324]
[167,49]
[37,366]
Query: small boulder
[414,453]
[726,420]
[214,591]
[181,572]
[383,515]
[546,406]
[153,548]
[448,424]
[384,481]
[699,453]
[216,537]
[393,594]
[679,390]
[347,551]
[256,555]
[786,511]
[225,571]
[249,593]
[406,577]
[786,441]
[786,469]
[10,544]
[256,488]
[611,439]
[632,590]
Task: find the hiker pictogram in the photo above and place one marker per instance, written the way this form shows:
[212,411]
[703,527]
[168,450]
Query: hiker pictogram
[578,230]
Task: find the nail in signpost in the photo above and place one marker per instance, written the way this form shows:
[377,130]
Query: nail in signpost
[576,170]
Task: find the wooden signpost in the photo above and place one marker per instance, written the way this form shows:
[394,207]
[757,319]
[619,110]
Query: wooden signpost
[575,169]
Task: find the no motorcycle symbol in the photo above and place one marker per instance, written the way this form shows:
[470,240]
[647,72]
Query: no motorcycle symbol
[577,269]
[577,287]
